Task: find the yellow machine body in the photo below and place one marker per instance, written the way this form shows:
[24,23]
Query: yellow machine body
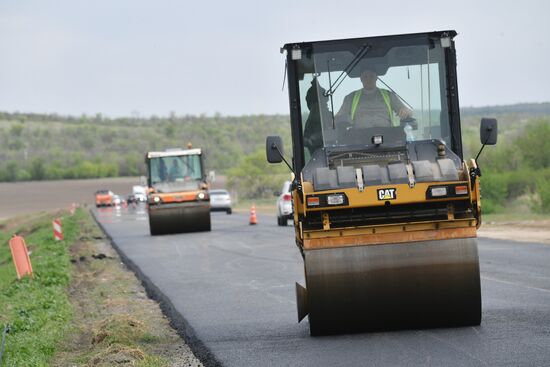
[386,209]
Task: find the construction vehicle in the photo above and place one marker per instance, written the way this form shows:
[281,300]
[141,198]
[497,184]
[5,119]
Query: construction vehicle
[385,217]
[103,198]
[177,195]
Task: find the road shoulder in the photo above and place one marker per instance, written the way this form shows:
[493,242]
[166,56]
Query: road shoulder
[521,231]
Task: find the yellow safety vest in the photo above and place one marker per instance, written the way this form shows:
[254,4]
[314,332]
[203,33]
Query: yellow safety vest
[357,97]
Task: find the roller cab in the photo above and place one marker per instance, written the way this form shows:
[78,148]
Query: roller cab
[386,207]
[177,195]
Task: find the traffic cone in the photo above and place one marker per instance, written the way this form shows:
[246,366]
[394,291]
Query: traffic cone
[253,219]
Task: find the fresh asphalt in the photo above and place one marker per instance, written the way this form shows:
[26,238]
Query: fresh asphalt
[230,293]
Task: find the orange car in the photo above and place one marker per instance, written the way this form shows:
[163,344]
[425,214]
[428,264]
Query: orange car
[103,198]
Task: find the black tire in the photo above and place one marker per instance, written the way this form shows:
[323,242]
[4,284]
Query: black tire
[229,211]
[284,221]
[279,221]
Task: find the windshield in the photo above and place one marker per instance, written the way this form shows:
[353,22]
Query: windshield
[397,93]
[175,173]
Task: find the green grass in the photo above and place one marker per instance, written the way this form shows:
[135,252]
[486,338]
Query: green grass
[37,309]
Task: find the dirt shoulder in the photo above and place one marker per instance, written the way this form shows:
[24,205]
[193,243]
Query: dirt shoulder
[115,323]
[523,231]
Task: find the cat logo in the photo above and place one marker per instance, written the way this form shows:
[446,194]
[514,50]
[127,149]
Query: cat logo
[387,194]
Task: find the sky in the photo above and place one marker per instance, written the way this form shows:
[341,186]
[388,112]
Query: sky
[143,58]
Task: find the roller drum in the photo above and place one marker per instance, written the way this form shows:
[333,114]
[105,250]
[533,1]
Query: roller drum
[393,286]
[179,219]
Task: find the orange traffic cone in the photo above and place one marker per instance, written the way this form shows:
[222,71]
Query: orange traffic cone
[253,219]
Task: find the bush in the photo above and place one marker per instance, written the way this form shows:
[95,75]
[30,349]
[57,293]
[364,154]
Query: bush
[541,199]
[534,144]
[254,178]
[520,182]
[494,191]
[501,158]
[488,206]
[38,170]
[23,175]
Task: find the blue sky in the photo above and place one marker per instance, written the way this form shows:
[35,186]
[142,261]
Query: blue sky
[122,57]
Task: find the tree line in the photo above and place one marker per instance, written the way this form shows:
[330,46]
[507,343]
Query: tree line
[49,147]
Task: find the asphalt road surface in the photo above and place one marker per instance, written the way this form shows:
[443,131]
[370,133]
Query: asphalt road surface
[230,292]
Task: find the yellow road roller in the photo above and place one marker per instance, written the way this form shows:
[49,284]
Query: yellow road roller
[385,207]
[177,195]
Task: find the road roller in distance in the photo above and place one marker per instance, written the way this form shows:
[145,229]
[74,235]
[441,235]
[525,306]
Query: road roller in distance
[177,195]
[386,208]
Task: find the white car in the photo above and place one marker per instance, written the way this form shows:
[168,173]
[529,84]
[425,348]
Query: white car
[117,200]
[140,198]
[220,200]
[285,210]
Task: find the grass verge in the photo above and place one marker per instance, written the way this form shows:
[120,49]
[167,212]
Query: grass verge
[36,309]
[83,307]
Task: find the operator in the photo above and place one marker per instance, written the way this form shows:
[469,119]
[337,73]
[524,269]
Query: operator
[162,170]
[371,106]
[175,171]
[319,114]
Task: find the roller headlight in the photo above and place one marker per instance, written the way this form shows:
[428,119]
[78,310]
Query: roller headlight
[324,200]
[202,196]
[439,191]
[156,199]
[337,199]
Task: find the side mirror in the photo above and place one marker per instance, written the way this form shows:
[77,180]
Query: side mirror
[274,149]
[488,131]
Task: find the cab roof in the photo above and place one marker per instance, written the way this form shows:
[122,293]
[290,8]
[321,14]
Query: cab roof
[375,39]
[174,153]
